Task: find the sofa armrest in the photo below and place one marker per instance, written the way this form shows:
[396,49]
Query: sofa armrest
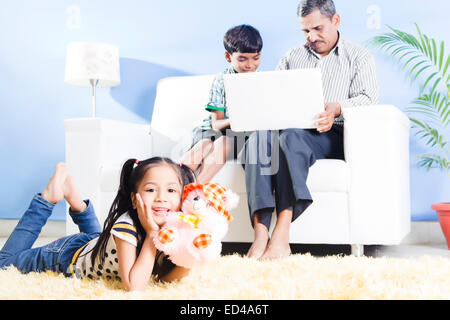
[164,146]
[95,152]
[376,146]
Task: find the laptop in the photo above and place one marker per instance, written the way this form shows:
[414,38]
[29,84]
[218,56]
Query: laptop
[274,100]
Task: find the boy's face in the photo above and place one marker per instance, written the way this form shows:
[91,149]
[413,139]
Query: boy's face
[244,62]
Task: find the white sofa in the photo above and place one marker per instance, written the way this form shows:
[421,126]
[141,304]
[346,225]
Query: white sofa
[364,200]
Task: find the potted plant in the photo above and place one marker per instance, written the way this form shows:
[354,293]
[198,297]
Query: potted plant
[430,112]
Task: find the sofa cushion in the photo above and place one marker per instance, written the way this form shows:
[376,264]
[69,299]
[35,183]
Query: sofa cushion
[329,175]
[324,176]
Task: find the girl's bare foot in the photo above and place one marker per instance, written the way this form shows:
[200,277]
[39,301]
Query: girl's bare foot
[54,192]
[61,186]
[72,195]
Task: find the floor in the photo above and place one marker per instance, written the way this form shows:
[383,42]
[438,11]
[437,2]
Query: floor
[425,238]
[400,251]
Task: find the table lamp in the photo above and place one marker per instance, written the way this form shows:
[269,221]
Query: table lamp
[92,64]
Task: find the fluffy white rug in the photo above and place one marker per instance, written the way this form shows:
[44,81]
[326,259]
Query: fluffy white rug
[238,278]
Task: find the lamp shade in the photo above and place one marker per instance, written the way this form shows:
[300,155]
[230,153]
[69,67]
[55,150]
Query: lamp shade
[87,61]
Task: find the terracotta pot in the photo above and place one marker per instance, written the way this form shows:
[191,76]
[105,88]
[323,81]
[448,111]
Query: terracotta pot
[443,212]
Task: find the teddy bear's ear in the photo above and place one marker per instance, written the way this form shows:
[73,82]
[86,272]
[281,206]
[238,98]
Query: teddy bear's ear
[231,200]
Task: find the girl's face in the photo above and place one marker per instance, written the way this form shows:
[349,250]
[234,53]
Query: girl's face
[161,191]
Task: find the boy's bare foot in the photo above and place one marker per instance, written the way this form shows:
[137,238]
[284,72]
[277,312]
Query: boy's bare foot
[257,249]
[261,238]
[54,192]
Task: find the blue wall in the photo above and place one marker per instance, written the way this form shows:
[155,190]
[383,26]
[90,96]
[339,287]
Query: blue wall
[157,39]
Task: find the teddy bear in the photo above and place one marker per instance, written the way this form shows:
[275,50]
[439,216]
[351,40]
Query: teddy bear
[193,236]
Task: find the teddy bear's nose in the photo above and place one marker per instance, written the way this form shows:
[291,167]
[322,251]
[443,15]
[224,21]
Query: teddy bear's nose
[197,198]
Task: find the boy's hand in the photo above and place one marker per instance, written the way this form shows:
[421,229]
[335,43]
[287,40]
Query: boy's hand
[146,217]
[326,119]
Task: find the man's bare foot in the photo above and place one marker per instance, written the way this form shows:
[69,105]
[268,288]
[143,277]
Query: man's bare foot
[278,246]
[54,192]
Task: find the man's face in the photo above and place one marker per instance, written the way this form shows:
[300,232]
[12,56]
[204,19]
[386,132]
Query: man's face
[321,32]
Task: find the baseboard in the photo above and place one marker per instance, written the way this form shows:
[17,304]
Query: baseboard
[422,232]
[425,232]
[52,229]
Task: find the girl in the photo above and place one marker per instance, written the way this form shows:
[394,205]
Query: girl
[124,250]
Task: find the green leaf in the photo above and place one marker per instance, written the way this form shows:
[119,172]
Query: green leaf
[425,112]
[417,122]
[428,80]
[434,51]
[399,49]
[445,121]
[446,66]
[431,161]
[422,40]
[411,59]
[407,52]
[421,70]
[441,57]
[434,86]
[423,56]
[416,66]
[441,105]
[429,50]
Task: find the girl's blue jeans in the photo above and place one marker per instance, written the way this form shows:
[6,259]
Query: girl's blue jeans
[56,256]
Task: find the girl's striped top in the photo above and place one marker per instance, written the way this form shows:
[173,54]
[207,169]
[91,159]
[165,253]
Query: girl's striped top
[109,269]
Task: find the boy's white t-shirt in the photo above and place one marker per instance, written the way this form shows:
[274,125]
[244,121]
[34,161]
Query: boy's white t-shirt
[124,229]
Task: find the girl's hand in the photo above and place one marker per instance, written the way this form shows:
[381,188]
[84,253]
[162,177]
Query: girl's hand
[145,216]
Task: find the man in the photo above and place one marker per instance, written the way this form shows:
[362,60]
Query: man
[349,80]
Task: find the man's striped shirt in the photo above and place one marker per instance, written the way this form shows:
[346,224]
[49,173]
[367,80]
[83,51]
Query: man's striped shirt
[348,72]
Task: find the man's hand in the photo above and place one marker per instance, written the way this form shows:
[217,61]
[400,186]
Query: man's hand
[326,119]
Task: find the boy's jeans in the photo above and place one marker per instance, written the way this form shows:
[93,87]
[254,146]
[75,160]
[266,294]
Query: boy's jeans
[56,256]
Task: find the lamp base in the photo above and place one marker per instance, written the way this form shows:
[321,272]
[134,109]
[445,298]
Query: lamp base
[94,83]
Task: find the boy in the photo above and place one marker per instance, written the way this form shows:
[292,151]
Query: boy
[211,146]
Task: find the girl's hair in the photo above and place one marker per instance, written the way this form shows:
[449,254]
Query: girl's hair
[244,39]
[132,173]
